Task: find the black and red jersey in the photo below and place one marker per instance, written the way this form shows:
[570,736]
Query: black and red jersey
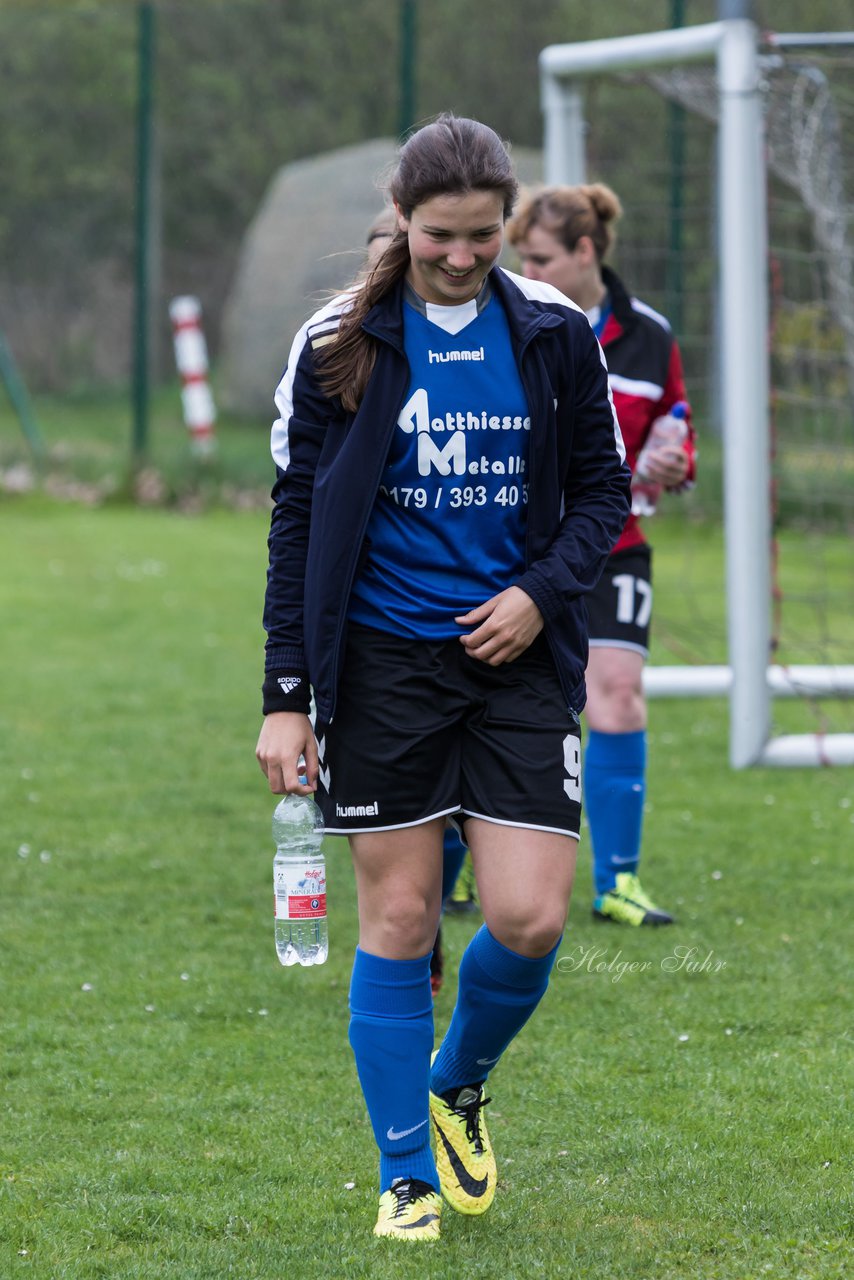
[645,375]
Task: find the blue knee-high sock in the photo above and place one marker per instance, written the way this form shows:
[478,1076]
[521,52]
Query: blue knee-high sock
[498,991]
[614,790]
[453,856]
[391,1032]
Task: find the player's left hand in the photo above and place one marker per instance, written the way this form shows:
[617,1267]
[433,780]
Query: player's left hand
[667,466]
[504,626]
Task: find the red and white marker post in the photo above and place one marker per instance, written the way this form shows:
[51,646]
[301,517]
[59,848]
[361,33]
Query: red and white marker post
[191,357]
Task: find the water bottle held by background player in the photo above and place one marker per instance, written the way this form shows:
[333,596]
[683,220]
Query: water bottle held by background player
[671,428]
[299,881]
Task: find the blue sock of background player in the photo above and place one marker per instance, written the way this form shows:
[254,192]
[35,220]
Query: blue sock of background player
[454,855]
[454,852]
[614,791]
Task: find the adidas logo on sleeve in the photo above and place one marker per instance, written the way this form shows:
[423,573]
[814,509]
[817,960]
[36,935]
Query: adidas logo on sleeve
[287,684]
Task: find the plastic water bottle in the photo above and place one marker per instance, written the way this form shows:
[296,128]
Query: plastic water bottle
[669,429]
[299,881]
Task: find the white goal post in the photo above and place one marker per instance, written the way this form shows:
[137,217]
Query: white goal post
[733,44]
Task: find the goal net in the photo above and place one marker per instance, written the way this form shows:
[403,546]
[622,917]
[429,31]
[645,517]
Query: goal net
[726,149]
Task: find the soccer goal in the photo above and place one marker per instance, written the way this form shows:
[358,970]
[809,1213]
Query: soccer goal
[748,248]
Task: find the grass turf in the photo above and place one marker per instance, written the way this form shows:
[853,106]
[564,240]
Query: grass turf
[175,1104]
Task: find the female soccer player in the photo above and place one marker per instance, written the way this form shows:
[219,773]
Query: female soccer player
[380,234]
[561,235]
[450,480]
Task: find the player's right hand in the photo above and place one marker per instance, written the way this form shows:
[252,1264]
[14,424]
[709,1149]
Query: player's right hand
[287,736]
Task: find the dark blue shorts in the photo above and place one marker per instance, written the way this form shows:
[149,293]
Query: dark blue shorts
[424,731]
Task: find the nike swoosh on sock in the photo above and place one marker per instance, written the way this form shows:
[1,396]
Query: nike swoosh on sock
[404,1133]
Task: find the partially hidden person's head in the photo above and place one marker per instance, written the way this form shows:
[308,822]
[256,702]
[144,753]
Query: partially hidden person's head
[380,233]
[562,235]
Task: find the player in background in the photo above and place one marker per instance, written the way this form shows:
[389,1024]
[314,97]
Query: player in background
[562,235]
[380,234]
[450,481]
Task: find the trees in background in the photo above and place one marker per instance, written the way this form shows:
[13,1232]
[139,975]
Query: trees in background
[241,88]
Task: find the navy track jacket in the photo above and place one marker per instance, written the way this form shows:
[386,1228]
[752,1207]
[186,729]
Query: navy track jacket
[329,465]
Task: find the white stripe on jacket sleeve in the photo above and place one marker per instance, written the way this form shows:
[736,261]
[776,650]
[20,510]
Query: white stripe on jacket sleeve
[318,326]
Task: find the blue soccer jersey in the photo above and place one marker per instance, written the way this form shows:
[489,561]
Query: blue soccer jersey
[455,477]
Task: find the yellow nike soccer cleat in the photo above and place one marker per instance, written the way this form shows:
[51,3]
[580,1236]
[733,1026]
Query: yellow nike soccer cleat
[411,1210]
[627,903]
[464,1157]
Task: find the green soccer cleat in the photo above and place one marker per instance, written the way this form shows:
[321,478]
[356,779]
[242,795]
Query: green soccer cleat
[410,1210]
[464,1157]
[627,903]
[463,900]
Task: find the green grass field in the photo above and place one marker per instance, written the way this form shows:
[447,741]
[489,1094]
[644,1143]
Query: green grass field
[177,1105]
[86,451]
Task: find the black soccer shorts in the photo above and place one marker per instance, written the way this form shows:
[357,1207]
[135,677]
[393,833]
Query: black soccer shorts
[422,731]
[620,606]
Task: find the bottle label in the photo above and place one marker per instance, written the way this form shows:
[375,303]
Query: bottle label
[301,893]
[301,906]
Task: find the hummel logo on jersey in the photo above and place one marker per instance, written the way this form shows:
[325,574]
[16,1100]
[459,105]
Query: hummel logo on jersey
[404,1133]
[443,357]
[287,684]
